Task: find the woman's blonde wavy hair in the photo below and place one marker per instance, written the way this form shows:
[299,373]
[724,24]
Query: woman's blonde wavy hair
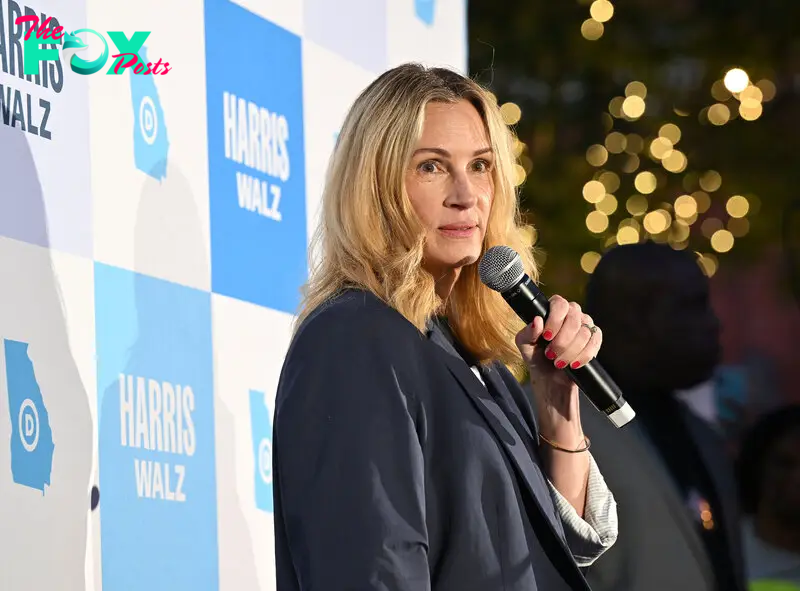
[369,236]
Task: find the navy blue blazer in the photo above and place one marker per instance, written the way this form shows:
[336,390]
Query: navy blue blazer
[396,469]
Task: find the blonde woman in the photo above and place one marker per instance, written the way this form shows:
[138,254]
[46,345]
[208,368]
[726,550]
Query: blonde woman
[406,455]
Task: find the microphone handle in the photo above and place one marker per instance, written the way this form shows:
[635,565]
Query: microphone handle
[528,302]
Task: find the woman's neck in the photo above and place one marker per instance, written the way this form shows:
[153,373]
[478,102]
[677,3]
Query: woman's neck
[445,281]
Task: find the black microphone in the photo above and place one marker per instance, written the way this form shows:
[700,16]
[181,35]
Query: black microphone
[501,269]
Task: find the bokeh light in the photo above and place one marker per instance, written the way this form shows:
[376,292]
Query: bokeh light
[719,92]
[679,232]
[737,206]
[601,10]
[657,221]
[636,204]
[750,109]
[670,131]
[597,155]
[589,261]
[739,227]
[627,235]
[708,264]
[634,144]
[631,164]
[597,222]
[610,181]
[768,89]
[645,182]
[736,80]
[719,114]
[703,201]
[710,181]
[710,226]
[519,175]
[511,113]
[616,142]
[675,161]
[594,191]
[722,241]
[636,88]
[608,204]
[660,147]
[685,206]
[592,30]
[633,107]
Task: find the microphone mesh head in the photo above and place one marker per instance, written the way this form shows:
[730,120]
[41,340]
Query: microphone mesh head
[500,268]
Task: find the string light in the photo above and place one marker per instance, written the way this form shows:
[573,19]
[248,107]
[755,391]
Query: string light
[710,181]
[736,80]
[607,205]
[719,114]
[519,175]
[710,226]
[671,132]
[636,88]
[610,181]
[739,227]
[657,221]
[597,155]
[685,206]
[679,232]
[703,201]
[708,264]
[737,206]
[597,222]
[594,191]
[645,182]
[592,30]
[511,113]
[722,241]
[633,107]
[616,142]
[601,10]
[615,107]
[719,92]
[675,161]
[627,235]
[634,143]
[589,261]
[668,221]
[660,148]
[636,204]
[768,89]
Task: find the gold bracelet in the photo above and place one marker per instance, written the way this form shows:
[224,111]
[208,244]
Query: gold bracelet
[555,445]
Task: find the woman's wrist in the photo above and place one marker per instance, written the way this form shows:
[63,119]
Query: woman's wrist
[559,415]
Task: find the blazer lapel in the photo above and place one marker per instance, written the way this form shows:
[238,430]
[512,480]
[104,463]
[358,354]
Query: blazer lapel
[510,439]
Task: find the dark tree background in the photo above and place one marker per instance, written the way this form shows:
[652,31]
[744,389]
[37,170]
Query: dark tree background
[532,53]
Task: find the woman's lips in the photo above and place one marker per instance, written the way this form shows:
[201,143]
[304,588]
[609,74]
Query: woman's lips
[458,230]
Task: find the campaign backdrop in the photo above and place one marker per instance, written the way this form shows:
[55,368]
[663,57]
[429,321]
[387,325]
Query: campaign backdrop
[153,241]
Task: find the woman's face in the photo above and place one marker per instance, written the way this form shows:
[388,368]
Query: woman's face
[450,184]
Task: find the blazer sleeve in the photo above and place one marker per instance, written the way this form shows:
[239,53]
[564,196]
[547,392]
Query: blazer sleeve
[589,537]
[348,464]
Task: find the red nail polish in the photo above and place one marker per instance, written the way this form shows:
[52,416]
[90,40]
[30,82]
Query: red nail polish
[547,335]
[575,364]
[550,354]
[561,364]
